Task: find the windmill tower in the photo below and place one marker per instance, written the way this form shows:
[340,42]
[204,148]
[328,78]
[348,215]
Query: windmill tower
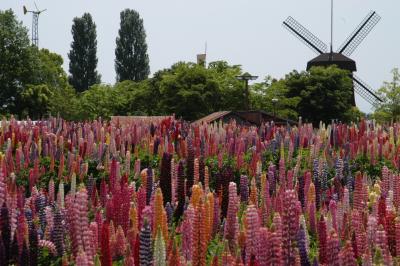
[35,24]
[341,56]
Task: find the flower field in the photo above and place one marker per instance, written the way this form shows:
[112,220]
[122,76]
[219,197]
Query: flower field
[170,193]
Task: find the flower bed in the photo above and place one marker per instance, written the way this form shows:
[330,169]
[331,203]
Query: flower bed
[171,193]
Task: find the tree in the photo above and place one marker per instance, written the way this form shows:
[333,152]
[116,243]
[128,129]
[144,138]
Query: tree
[325,93]
[36,100]
[83,58]
[16,65]
[131,59]
[189,91]
[231,88]
[261,95]
[389,109]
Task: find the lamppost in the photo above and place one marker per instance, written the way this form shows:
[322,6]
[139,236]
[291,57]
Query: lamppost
[274,102]
[246,77]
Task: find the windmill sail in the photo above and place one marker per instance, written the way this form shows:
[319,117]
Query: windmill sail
[366,92]
[359,34]
[305,35]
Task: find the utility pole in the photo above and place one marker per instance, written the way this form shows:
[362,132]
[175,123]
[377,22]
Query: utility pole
[246,77]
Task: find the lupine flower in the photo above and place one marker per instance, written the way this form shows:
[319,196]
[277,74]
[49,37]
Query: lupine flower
[231,220]
[105,245]
[165,177]
[159,250]
[322,240]
[290,226]
[145,249]
[252,232]
[190,168]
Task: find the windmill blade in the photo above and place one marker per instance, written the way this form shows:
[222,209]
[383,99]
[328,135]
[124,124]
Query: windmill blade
[359,34]
[365,91]
[305,35]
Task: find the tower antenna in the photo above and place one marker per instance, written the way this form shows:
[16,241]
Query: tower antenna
[331,26]
[35,23]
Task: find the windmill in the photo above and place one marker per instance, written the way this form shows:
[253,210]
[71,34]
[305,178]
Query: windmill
[341,56]
[35,24]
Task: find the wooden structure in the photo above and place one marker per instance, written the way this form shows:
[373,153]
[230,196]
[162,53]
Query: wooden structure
[249,118]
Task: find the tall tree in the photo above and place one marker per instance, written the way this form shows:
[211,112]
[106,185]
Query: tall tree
[389,109]
[131,59]
[83,58]
[16,64]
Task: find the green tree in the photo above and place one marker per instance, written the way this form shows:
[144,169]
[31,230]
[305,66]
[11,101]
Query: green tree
[50,80]
[189,91]
[325,93]
[270,96]
[131,59]
[230,87]
[36,100]
[98,100]
[16,64]
[83,58]
[389,109]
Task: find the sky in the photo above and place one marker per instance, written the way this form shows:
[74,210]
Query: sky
[243,32]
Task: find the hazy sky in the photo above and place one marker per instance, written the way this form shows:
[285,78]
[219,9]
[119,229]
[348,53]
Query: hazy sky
[248,33]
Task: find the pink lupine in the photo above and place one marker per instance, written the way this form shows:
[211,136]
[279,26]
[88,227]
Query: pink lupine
[382,244]
[231,219]
[2,188]
[81,259]
[187,232]
[252,232]
[95,235]
[275,240]
[264,246]
[347,256]
[360,234]
[333,248]
[290,225]
[120,242]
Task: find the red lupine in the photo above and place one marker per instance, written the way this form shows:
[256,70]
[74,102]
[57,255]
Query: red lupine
[105,246]
[322,240]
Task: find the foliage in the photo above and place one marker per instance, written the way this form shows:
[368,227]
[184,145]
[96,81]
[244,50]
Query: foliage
[262,94]
[36,100]
[16,67]
[83,58]
[131,59]
[389,109]
[189,91]
[325,93]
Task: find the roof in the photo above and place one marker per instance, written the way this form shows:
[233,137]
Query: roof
[130,119]
[328,59]
[253,117]
[212,117]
